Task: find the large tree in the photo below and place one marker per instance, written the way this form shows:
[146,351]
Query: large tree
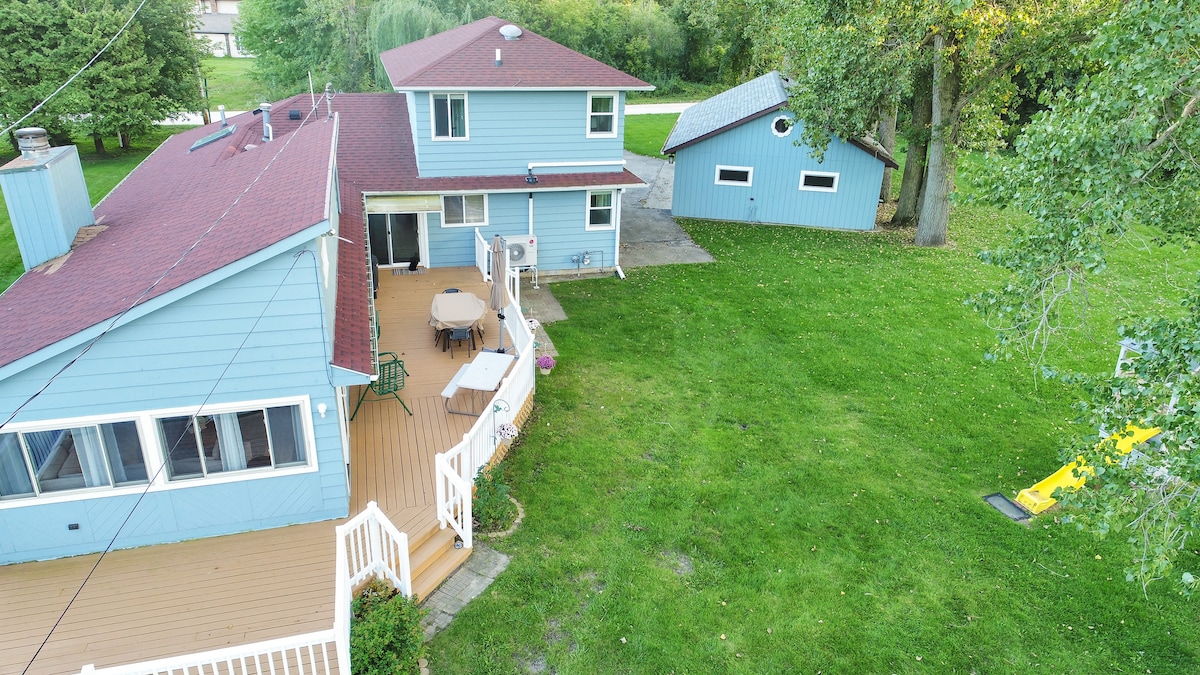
[148,73]
[1116,155]
[853,61]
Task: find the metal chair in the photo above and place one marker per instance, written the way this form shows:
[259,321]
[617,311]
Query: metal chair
[390,380]
[460,335]
[452,290]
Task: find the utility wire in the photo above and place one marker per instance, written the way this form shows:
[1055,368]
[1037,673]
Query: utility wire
[87,65]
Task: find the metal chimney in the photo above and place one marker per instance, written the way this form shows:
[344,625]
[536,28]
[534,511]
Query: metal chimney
[221,109]
[268,132]
[329,99]
[33,142]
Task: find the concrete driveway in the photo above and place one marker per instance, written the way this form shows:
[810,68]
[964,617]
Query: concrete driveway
[649,235]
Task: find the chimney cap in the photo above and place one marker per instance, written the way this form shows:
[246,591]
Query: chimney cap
[33,142]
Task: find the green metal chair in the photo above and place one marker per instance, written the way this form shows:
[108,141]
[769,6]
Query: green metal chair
[390,381]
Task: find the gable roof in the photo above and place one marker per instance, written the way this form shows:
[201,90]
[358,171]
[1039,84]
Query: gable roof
[465,58]
[746,102]
[161,211]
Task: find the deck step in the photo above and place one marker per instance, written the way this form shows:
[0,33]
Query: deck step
[437,563]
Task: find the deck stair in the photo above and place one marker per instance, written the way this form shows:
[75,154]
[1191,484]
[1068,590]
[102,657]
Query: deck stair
[434,558]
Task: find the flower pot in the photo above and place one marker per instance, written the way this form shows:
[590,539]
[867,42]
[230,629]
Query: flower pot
[545,371]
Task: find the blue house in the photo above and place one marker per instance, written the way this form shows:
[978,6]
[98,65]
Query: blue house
[511,134]
[190,345]
[737,158]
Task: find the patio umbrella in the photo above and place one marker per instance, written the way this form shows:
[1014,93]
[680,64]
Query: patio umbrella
[499,296]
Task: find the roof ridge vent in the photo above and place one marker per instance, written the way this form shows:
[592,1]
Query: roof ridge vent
[511,32]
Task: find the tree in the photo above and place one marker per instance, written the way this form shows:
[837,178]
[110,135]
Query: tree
[853,60]
[150,71]
[1117,153]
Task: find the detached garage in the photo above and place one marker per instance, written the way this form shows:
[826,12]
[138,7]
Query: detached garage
[736,158]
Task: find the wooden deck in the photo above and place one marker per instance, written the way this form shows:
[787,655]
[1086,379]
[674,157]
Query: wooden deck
[172,599]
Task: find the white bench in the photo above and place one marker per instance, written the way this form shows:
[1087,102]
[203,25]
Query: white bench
[452,387]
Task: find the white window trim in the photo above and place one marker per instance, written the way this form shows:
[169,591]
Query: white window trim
[776,121]
[153,452]
[486,214]
[749,175]
[616,99]
[433,117]
[809,188]
[612,209]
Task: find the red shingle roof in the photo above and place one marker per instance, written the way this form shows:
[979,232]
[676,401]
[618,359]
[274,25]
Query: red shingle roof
[158,212]
[465,58]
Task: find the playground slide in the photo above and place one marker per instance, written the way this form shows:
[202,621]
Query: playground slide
[1038,498]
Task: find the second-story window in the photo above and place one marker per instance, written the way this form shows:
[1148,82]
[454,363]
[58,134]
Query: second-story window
[602,115]
[449,116]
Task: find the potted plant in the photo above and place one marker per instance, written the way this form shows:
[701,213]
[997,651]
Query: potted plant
[545,363]
[507,431]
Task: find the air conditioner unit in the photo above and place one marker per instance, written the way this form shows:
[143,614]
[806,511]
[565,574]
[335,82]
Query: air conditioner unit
[522,251]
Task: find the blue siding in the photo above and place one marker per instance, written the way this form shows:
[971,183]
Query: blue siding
[559,223]
[774,196]
[510,129]
[48,205]
[171,358]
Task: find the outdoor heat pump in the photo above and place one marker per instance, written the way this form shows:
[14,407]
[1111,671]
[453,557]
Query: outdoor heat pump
[522,250]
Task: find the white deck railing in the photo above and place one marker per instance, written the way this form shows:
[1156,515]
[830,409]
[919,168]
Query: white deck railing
[455,469]
[483,256]
[308,654]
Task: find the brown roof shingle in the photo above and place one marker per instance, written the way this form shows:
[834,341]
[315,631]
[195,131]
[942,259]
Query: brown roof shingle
[465,58]
[156,222]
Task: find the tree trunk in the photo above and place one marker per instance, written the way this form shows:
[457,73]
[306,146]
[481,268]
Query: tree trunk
[123,137]
[98,141]
[887,138]
[939,182]
[918,145]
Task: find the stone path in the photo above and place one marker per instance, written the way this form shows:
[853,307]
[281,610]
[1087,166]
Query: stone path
[476,574]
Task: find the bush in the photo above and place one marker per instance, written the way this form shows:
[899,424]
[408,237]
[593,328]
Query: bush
[385,631]
[491,508]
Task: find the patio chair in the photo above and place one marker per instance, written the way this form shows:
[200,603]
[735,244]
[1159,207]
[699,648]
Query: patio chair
[390,380]
[452,290]
[466,335]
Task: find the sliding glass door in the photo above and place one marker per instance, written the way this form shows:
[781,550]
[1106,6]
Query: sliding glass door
[394,238]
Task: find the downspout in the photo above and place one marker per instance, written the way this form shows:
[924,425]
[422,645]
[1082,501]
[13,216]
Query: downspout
[617,236]
[531,214]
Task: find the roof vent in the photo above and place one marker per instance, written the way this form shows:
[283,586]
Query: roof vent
[33,142]
[510,32]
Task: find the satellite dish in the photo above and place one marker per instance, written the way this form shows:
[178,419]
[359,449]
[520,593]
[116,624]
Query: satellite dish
[510,32]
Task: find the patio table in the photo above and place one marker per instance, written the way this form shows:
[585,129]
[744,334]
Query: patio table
[456,310]
[480,375]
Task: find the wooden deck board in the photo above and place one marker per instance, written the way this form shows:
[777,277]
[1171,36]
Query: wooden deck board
[173,599]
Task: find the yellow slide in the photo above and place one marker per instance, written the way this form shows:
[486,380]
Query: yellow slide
[1037,498]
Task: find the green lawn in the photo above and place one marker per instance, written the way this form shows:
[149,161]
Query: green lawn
[644,134]
[229,84]
[102,175]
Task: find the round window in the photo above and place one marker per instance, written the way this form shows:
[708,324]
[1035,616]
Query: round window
[781,126]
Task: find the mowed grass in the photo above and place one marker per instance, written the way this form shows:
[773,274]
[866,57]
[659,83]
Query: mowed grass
[101,174]
[230,84]
[774,463]
[644,134]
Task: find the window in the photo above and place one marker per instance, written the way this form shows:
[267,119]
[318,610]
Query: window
[56,460]
[735,175]
[781,126]
[464,210]
[449,116]
[206,445]
[602,115]
[818,181]
[600,211]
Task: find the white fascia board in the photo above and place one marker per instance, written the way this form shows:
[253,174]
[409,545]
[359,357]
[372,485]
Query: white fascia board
[305,236]
[451,89]
[568,188]
[331,176]
[344,377]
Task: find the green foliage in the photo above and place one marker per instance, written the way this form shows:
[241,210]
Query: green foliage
[230,84]
[149,73]
[386,637]
[399,22]
[1113,159]
[491,507]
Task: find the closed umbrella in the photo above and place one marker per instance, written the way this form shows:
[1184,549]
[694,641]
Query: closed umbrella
[499,296]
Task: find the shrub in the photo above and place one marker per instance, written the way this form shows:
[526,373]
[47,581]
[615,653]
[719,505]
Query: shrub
[491,508]
[385,631]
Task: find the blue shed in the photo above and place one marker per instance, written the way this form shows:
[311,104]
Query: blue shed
[737,158]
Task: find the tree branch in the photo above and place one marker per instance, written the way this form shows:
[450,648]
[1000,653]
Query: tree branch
[1188,109]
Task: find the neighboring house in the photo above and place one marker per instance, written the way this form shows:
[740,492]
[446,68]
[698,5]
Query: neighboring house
[215,26]
[737,158]
[510,133]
